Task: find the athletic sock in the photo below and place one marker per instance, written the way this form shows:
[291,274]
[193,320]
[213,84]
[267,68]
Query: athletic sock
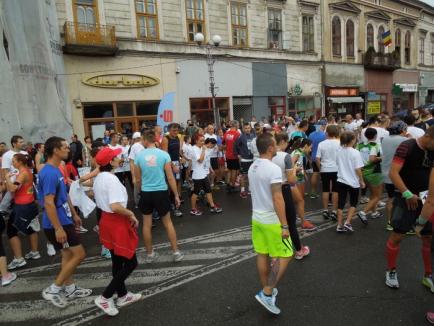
[70,288]
[426,255]
[243,189]
[55,289]
[392,252]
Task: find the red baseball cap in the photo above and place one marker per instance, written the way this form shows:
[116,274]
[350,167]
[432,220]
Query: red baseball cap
[106,154]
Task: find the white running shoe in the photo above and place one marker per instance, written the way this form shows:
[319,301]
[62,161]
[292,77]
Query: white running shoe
[106,305]
[381,204]
[151,258]
[32,255]
[392,279]
[178,256]
[50,250]
[56,298]
[364,200]
[17,263]
[128,299]
[8,278]
[77,292]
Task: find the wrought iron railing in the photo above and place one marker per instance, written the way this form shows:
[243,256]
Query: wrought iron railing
[89,34]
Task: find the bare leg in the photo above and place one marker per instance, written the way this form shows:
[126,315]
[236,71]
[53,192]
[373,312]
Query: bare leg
[15,243]
[277,270]
[335,198]
[350,215]
[3,266]
[340,217]
[210,199]
[263,265]
[170,229]
[325,200]
[375,198]
[33,239]
[70,260]
[193,201]
[389,208]
[314,182]
[299,202]
[147,234]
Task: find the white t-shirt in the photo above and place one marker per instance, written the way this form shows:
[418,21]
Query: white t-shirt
[415,132]
[124,155]
[284,162]
[200,169]
[327,151]
[348,160]
[109,190]
[119,169]
[381,133]
[186,150]
[351,126]
[136,148]
[7,160]
[262,174]
[214,151]
[358,123]
[210,136]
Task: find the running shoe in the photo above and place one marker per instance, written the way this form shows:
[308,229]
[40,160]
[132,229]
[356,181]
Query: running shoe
[17,263]
[427,281]
[35,225]
[313,196]
[348,227]
[376,215]
[77,292]
[105,253]
[333,216]
[151,258]
[56,298]
[430,317]
[32,255]
[308,226]
[178,256]
[381,204]
[243,194]
[303,252]
[106,305]
[8,278]
[196,212]
[389,227]
[177,213]
[268,302]
[326,215]
[364,200]
[340,229]
[81,229]
[392,279]
[275,292]
[50,250]
[128,298]
[221,182]
[216,209]
[411,232]
[362,216]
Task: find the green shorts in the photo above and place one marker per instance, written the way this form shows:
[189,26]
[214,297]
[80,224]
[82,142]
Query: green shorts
[374,179]
[267,240]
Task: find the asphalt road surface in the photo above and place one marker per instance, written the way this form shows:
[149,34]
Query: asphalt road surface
[340,283]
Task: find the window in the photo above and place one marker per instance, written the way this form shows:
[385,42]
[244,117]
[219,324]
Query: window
[202,112]
[308,34]
[277,106]
[147,20]
[239,24]
[370,36]
[350,38]
[407,48]
[398,41]
[422,51]
[432,50]
[85,12]
[336,36]
[274,29]
[195,18]
[381,48]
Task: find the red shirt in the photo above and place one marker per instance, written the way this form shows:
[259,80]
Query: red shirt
[229,140]
[24,195]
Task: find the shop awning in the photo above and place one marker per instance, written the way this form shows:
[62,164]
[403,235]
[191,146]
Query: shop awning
[351,99]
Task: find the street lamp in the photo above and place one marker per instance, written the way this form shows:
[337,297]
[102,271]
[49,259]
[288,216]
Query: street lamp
[214,42]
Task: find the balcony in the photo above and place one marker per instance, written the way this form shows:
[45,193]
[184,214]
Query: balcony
[381,61]
[90,40]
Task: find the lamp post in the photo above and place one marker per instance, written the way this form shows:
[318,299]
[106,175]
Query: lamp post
[214,42]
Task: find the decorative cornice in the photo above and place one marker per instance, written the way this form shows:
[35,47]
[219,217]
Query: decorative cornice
[345,6]
[405,21]
[378,14]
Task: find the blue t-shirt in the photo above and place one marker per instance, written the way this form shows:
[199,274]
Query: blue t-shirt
[50,182]
[298,134]
[151,162]
[316,137]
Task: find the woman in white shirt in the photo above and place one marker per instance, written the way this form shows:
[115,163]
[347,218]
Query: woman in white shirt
[350,179]
[117,230]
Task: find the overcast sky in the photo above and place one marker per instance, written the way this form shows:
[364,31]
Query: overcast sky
[430,2]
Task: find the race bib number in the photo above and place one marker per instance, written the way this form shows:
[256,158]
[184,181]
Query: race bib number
[67,209]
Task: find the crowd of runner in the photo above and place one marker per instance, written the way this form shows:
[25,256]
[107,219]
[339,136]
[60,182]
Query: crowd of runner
[276,163]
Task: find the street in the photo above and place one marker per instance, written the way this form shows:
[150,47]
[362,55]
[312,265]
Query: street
[341,282]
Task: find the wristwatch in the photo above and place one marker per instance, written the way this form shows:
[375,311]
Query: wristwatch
[285,227]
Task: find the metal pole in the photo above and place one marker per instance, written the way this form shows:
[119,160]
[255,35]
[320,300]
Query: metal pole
[210,61]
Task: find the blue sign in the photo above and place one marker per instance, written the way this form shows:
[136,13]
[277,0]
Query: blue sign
[166,110]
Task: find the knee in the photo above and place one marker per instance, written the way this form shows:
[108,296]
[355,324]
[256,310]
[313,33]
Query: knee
[80,255]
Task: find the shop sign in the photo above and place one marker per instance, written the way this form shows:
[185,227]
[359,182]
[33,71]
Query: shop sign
[372,96]
[121,81]
[343,92]
[408,88]
[374,107]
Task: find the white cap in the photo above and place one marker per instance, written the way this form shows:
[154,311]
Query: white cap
[137,135]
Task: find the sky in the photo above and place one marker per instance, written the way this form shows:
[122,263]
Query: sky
[430,2]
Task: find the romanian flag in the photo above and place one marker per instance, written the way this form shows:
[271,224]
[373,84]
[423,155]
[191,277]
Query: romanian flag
[387,38]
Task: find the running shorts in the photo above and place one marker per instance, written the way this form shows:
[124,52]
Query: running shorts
[391,190]
[267,240]
[244,167]
[315,166]
[374,179]
[158,200]
[233,164]
[214,163]
[404,220]
[20,218]
[343,191]
[329,180]
[202,184]
[72,237]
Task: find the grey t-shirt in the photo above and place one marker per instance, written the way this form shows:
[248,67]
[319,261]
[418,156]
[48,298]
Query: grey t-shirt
[389,146]
[284,162]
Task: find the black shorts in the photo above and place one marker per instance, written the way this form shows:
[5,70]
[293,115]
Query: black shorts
[391,190]
[20,219]
[233,164]
[202,184]
[328,178]
[403,220]
[244,167]
[343,191]
[315,166]
[158,200]
[214,163]
[72,237]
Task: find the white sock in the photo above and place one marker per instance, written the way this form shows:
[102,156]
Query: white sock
[54,288]
[243,189]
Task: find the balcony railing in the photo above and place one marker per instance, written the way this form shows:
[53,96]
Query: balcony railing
[381,61]
[89,39]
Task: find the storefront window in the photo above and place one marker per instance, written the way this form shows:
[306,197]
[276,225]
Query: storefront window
[103,110]
[277,105]
[202,112]
[304,107]
[147,108]
[124,109]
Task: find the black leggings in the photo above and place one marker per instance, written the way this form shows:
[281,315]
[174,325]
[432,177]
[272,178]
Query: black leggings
[291,216]
[2,228]
[121,268]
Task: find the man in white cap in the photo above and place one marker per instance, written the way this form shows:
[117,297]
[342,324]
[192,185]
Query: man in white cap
[136,148]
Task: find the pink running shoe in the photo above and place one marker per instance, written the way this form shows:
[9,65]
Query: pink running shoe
[304,251]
